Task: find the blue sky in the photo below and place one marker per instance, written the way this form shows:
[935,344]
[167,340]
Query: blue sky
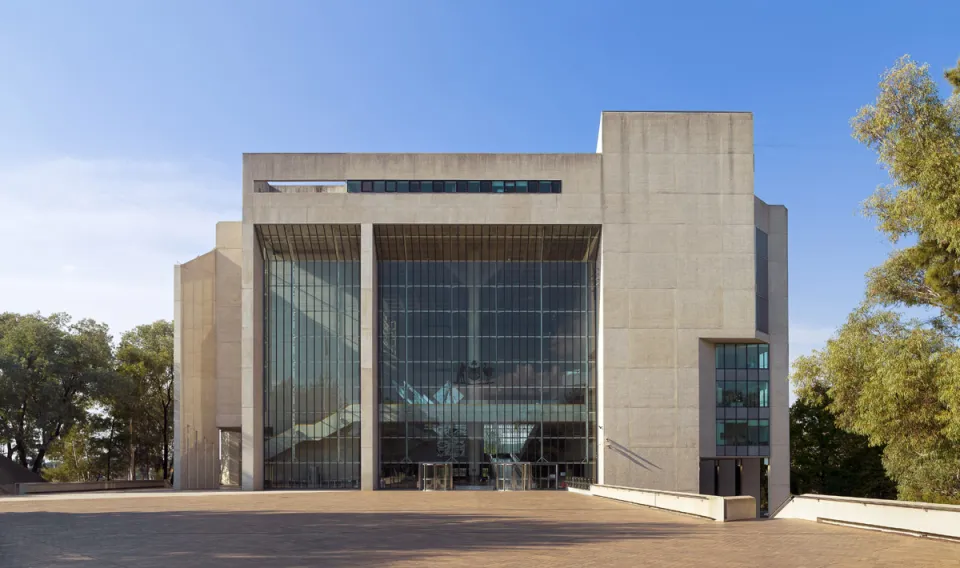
[122,123]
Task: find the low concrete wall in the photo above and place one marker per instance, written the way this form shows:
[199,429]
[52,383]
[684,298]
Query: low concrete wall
[39,488]
[708,506]
[909,517]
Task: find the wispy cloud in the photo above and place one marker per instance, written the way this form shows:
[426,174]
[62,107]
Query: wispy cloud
[99,238]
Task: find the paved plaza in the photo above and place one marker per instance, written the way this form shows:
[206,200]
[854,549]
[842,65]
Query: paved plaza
[462,528]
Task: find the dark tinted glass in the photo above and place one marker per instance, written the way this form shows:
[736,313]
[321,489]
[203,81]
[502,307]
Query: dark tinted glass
[474,187]
[555,187]
[486,187]
[498,187]
[391,187]
[450,186]
[509,187]
[414,187]
[379,186]
[533,186]
[521,187]
[367,186]
[403,186]
[461,187]
[353,187]
[438,187]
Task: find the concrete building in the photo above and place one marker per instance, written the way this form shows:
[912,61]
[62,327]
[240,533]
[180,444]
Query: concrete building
[382,321]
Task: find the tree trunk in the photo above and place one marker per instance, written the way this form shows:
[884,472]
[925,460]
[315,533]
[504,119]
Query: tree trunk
[21,452]
[38,461]
[133,454]
[110,447]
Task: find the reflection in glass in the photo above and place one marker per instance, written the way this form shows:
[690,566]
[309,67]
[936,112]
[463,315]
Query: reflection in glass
[487,362]
[311,385]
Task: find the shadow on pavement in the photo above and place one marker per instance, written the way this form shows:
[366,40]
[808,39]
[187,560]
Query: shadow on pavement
[242,539]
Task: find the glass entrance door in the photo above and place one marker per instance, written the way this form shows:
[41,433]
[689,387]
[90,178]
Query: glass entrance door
[513,476]
[436,476]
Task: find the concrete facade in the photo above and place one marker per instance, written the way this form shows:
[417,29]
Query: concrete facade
[206,359]
[674,196]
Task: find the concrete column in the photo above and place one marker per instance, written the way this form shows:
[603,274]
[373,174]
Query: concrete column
[178,452]
[251,361]
[750,476]
[369,418]
[779,474]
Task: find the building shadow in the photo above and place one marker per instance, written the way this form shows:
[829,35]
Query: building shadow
[240,539]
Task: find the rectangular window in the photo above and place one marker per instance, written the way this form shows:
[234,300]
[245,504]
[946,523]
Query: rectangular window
[450,186]
[498,187]
[379,186]
[521,187]
[403,186]
[473,187]
[762,278]
[546,186]
[414,187]
[391,187]
[438,187]
[556,187]
[353,187]
[367,187]
[461,187]
[533,186]
[486,187]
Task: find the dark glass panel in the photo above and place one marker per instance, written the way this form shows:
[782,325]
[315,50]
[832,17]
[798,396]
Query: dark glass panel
[555,186]
[461,186]
[521,187]
[509,187]
[353,187]
[403,187]
[473,187]
[366,187]
[450,186]
[438,187]
[486,187]
[391,187]
[414,187]
[498,187]
[379,186]
[533,186]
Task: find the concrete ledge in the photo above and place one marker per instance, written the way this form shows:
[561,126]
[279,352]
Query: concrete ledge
[721,509]
[906,517]
[42,488]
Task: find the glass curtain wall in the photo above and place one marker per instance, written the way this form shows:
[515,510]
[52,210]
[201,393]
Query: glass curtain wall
[743,399]
[311,384]
[487,360]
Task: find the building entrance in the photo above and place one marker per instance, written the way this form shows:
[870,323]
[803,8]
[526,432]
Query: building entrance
[487,354]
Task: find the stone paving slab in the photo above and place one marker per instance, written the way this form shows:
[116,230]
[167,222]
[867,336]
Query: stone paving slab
[406,529]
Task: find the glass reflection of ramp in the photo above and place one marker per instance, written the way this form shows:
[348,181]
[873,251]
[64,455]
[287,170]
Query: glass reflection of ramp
[325,428]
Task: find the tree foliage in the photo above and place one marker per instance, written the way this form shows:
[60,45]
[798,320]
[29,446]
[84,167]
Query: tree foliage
[50,372]
[145,394]
[828,460]
[916,135]
[96,411]
[893,379]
